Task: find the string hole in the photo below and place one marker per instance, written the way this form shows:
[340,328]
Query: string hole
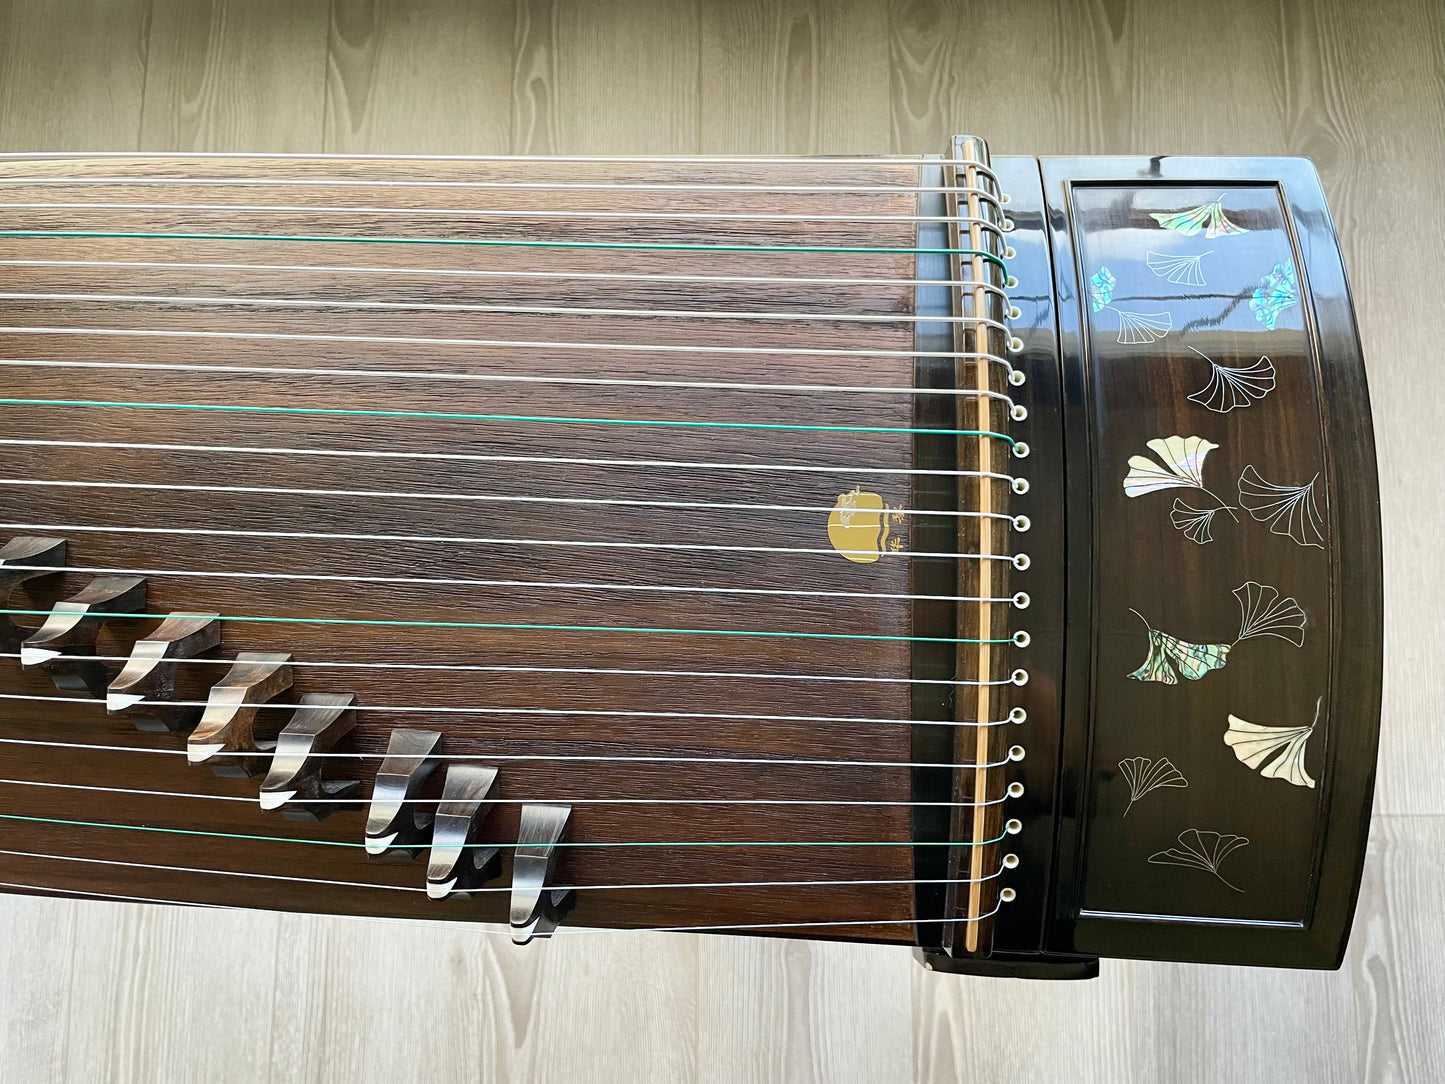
[1007,895]
[1021,450]
[1015,790]
[1005,199]
[1016,377]
[1008,224]
[1008,252]
[1022,523]
[1015,344]
[1014,826]
[1019,676]
[1016,752]
[1019,413]
[1021,562]
[1011,282]
[1014,312]
[1018,715]
[1021,600]
[1022,639]
[1020,486]
[1010,861]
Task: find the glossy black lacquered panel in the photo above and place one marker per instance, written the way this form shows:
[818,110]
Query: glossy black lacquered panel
[1224,566]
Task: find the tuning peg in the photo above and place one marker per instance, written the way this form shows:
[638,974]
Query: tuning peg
[24,559]
[456,863]
[537,908]
[70,632]
[296,779]
[229,721]
[396,825]
[150,673]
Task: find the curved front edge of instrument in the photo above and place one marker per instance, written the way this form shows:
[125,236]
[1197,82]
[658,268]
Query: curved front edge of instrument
[1224,653]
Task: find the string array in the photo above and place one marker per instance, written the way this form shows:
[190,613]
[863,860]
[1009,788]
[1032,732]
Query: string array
[985,191]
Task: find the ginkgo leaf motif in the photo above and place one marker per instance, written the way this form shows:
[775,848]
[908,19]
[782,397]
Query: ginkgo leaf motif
[1194,522]
[1201,850]
[1182,466]
[1101,289]
[1289,510]
[1182,460]
[1276,292]
[1209,217]
[1276,752]
[1171,658]
[1180,270]
[1144,775]
[1135,328]
[1262,612]
[1139,328]
[1232,386]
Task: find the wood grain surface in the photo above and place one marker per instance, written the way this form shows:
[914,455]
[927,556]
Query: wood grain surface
[565,565]
[130,993]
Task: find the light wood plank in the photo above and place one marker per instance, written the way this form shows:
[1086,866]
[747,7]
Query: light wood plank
[622,78]
[233,75]
[419,77]
[37,957]
[771,1010]
[793,77]
[156,997]
[1036,77]
[72,74]
[1367,103]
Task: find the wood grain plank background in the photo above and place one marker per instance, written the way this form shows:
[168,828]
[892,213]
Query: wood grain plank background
[130,993]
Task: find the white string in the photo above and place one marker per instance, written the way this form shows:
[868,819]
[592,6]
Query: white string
[589,758]
[464,540]
[357,801]
[504,378]
[347,182]
[310,577]
[570,214]
[526,584]
[519,309]
[57,892]
[497,888]
[488,273]
[484,498]
[439,709]
[590,670]
[345,453]
[568,931]
[624,159]
[682,348]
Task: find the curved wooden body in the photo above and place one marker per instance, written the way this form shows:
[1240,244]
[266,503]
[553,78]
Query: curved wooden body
[370,464]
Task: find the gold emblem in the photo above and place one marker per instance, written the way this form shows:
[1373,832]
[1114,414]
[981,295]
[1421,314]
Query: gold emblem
[858,526]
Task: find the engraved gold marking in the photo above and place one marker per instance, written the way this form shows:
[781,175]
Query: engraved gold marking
[858,526]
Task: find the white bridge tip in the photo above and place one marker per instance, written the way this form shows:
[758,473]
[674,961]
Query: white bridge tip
[115,702]
[379,844]
[197,754]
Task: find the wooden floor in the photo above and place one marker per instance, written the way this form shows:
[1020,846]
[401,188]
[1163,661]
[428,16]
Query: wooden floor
[127,993]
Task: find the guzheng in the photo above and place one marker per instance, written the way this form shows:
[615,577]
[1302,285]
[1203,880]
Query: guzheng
[975,555]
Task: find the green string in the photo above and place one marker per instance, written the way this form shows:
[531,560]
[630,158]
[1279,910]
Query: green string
[498,417]
[535,628]
[341,843]
[676,246]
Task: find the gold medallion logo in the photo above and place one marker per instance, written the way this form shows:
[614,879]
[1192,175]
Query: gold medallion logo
[858,526]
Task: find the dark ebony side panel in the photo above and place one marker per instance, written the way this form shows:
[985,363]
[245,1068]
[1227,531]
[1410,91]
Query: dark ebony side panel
[1219,435]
